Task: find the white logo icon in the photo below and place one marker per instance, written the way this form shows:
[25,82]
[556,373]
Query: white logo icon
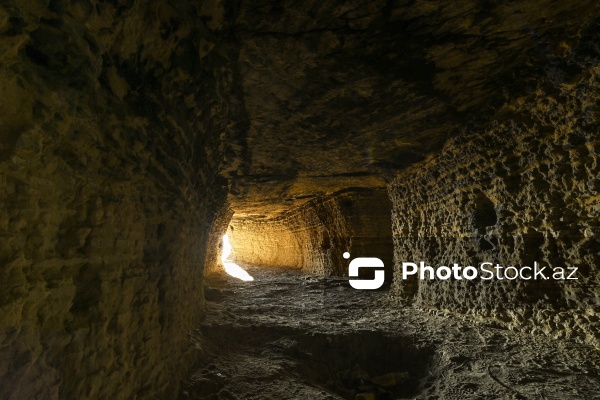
[366,262]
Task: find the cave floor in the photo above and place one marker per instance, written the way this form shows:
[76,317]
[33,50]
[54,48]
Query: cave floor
[288,335]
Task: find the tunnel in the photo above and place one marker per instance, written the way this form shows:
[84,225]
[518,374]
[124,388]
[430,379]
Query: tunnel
[334,199]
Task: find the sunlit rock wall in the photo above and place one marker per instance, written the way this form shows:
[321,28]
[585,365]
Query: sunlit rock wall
[520,189]
[113,123]
[314,236]
[269,243]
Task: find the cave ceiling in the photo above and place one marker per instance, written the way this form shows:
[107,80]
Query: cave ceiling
[341,94]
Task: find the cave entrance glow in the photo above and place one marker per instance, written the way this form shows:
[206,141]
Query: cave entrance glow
[229,266]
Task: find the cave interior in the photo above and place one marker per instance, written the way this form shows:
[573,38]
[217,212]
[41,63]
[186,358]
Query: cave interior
[136,135]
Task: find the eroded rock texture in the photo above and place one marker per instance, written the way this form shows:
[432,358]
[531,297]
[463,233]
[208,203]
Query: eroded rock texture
[314,236]
[520,189]
[350,94]
[344,94]
[113,128]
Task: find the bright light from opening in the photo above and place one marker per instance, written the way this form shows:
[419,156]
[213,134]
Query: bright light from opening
[226,248]
[230,267]
[236,271]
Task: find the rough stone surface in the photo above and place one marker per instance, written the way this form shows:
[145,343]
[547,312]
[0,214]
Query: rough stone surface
[523,188]
[345,93]
[113,129]
[289,335]
[315,235]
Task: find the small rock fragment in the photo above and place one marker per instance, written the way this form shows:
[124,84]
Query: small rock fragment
[391,379]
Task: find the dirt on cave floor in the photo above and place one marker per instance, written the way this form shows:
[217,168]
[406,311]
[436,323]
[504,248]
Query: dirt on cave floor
[288,335]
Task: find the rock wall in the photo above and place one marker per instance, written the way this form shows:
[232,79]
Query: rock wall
[341,93]
[114,124]
[520,189]
[315,235]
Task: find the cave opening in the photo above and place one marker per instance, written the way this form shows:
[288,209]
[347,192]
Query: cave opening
[230,266]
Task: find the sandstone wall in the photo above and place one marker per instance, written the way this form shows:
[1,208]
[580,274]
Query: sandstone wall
[113,125]
[523,188]
[315,235]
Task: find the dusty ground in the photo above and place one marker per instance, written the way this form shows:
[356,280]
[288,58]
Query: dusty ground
[291,336]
